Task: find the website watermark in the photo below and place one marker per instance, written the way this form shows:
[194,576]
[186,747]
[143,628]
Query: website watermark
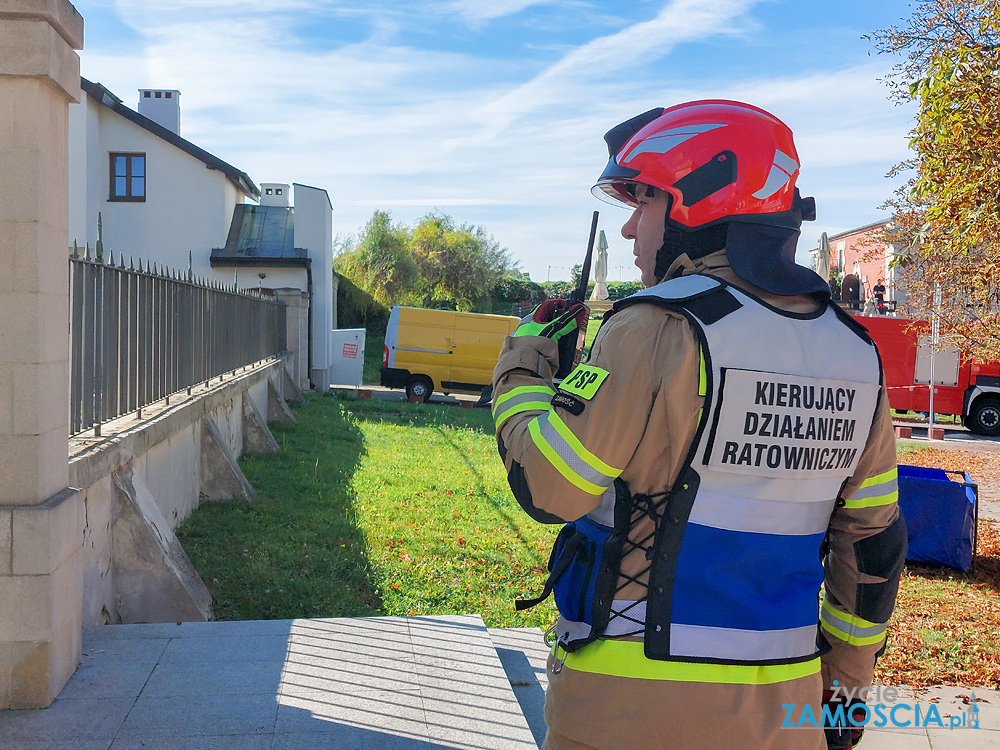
[879,707]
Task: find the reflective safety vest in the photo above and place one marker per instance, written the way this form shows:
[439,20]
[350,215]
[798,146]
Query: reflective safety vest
[735,573]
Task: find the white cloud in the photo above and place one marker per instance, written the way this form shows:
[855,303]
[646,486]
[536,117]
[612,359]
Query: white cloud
[572,78]
[477,12]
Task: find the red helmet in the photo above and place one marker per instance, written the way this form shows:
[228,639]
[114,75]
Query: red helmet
[718,160]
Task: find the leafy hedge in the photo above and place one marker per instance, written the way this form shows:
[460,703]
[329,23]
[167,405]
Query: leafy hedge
[358,309]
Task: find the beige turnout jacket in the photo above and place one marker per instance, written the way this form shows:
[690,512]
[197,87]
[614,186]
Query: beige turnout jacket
[643,417]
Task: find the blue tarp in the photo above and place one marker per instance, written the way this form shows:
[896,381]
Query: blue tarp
[940,515]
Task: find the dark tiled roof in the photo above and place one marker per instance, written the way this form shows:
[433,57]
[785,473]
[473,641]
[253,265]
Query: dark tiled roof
[260,236]
[112,102]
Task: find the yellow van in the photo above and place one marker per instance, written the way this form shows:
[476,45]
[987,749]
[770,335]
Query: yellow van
[441,350]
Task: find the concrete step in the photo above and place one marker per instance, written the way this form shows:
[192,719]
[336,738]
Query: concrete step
[379,682]
[523,653]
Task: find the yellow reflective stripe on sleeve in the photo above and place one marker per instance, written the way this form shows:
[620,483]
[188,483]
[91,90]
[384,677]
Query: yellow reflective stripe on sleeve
[557,461]
[586,456]
[566,453]
[513,393]
[881,489]
[518,408]
[885,476]
[626,659]
[872,502]
[854,630]
[521,399]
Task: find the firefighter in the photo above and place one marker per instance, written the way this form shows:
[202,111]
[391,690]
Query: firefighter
[723,458]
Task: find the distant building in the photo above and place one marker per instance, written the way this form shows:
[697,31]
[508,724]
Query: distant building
[165,200]
[271,242]
[860,262]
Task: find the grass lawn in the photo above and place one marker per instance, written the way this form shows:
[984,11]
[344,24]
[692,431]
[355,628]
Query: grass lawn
[374,508]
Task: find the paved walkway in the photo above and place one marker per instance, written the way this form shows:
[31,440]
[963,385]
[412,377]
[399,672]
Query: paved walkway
[367,683]
[379,683]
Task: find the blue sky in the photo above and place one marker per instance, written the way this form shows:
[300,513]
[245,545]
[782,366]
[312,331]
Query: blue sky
[493,111]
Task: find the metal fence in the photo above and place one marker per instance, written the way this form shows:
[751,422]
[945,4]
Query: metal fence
[140,335]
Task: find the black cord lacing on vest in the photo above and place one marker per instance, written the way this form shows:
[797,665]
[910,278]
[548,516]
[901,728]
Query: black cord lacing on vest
[643,506]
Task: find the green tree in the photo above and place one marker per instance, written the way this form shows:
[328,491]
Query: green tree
[558,289]
[458,264]
[622,289]
[947,215]
[381,260]
[511,290]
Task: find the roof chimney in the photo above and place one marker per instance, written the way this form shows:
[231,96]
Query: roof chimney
[274,194]
[162,106]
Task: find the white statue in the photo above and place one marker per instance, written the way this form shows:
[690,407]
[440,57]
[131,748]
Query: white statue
[601,270]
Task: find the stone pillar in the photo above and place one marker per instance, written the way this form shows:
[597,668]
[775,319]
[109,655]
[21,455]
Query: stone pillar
[41,520]
[297,333]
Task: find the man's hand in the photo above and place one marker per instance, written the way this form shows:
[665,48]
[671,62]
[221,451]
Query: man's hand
[552,319]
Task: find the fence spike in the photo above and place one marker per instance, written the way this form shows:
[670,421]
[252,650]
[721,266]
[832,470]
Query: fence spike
[121,258]
[100,239]
[148,267]
[86,252]
[76,250]
[111,257]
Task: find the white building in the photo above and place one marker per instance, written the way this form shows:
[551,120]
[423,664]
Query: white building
[269,244]
[163,199]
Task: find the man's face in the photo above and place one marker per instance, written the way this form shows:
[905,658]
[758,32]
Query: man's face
[645,229]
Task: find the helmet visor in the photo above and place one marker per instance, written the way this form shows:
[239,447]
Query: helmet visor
[616,192]
[616,185]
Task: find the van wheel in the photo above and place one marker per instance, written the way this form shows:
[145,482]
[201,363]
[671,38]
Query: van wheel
[984,419]
[419,388]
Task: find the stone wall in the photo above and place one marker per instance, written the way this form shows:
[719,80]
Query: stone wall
[142,478]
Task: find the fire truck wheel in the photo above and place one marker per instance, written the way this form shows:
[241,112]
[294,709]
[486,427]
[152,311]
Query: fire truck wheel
[984,419]
[419,388]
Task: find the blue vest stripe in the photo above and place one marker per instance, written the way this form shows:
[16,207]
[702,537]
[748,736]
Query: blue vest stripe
[744,580]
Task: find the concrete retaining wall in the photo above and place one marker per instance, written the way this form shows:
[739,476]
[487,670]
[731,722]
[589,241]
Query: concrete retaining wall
[144,477]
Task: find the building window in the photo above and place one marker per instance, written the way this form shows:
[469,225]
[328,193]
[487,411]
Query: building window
[277,191]
[128,177]
[267,191]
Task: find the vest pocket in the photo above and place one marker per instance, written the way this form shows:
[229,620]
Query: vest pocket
[580,579]
[579,561]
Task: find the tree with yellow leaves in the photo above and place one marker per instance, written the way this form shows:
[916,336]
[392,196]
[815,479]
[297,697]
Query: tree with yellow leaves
[947,215]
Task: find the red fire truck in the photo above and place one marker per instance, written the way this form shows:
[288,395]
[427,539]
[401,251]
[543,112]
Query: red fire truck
[963,386]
